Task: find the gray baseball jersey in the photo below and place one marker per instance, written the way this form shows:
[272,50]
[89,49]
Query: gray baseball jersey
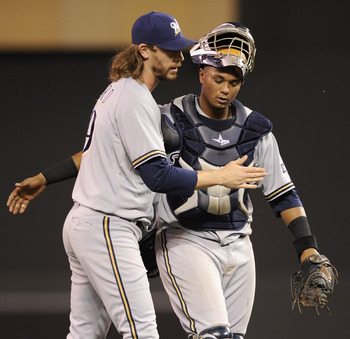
[108,180]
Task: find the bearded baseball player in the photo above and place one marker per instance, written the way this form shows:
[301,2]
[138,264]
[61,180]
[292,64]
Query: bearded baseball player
[203,250]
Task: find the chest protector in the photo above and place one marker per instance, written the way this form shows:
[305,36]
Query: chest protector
[206,144]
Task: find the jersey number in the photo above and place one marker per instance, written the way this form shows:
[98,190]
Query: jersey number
[90,132]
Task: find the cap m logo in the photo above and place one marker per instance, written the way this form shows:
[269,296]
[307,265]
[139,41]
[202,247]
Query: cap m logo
[175,26]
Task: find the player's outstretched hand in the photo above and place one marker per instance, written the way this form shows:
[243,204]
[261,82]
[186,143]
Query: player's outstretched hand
[25,192]
[238,176]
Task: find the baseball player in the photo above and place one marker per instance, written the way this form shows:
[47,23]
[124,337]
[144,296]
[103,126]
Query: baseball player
[123,163]
[204,254]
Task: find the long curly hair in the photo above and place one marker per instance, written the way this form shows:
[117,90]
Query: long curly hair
[127,63]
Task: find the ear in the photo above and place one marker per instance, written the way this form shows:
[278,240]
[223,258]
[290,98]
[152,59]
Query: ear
[201,75]
[144,50]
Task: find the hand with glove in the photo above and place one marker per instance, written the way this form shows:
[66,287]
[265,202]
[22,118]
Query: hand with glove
[313,284]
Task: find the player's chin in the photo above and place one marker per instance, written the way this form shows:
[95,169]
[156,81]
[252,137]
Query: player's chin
[220,106]
[169,76]
[173,71]
[222,102]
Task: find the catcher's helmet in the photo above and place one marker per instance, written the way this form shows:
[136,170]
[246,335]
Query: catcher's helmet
[229,44]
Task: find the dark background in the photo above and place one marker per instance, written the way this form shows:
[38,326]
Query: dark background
[300,82]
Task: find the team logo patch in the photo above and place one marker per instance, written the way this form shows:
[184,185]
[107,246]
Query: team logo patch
[176,27]
[222,141]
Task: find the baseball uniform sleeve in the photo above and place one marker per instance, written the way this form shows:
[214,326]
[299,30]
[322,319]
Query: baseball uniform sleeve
[138,122]
[286,201]
[267,155]
[160,177]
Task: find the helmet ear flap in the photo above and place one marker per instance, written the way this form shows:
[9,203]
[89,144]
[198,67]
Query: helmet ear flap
[229,44]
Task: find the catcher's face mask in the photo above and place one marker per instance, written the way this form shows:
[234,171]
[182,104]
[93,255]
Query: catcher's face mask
[229,44]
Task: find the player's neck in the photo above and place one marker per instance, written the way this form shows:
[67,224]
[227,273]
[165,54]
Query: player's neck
[149,80]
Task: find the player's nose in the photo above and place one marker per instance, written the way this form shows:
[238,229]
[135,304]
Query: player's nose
[179,56]
[225,88]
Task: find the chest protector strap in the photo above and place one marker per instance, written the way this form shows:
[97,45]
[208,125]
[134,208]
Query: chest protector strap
[207,144]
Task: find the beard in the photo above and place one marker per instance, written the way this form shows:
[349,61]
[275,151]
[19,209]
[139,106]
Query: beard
[162,73]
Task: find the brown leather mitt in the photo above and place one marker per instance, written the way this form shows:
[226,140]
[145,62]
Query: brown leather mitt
[310,285]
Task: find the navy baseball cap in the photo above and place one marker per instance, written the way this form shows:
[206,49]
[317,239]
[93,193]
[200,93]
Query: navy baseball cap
[160,29]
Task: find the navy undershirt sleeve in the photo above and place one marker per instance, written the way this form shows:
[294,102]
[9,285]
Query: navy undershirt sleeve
[160,176]
[286,201]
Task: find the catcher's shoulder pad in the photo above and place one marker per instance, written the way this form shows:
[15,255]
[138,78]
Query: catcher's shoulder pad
[310,285]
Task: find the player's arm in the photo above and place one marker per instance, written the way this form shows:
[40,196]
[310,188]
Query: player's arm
[31,187]
[233,175]
[161,177]
[296,221]
[282,196]
[289,207]
[313,284]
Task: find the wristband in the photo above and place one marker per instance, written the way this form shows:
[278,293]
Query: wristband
[62,171]
[303,243]
[300,227]
[303,237]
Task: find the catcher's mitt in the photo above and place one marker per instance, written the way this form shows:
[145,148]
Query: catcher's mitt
[310,285]
[148,253]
